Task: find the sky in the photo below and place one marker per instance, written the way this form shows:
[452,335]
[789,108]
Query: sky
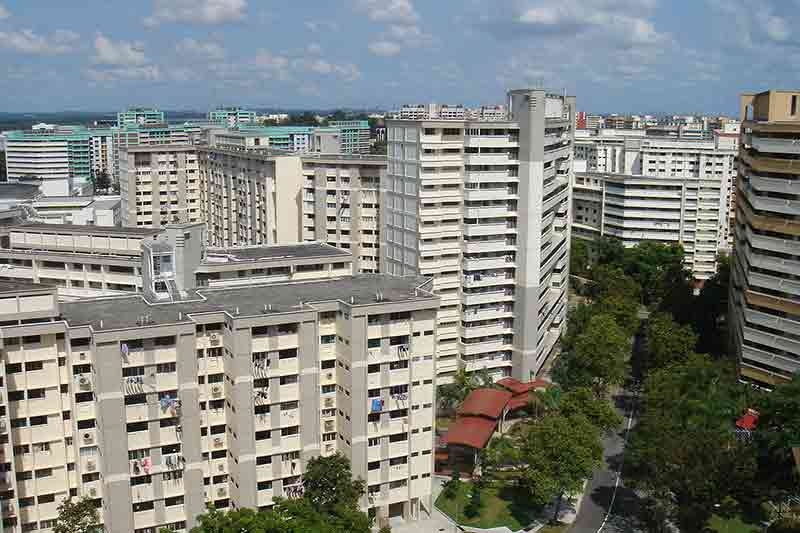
[625,56]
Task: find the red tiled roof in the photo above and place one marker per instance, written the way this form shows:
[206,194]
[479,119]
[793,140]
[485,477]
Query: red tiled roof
[472,431]
[518,387]
[518,402]
[748,421]
[485,402]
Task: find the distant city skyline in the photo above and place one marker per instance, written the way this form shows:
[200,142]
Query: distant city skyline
[624,56]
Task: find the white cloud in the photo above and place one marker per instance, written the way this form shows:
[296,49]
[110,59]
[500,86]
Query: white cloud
[348,72]
[314,48]
[389,11]
[28,42]
[774,26]
[197,11]
[4,13]
[208,51]
[140,73]
[271,65]
[119,53]
[384,48]
[316,26]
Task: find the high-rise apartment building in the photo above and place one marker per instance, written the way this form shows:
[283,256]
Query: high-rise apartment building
[353,135]
[101,151]
[58,156]
[159,185]
[155,409]
[140,116]
[483,208]
[643,188]
[765,295]
[146,135]
[257,197]
[231,116]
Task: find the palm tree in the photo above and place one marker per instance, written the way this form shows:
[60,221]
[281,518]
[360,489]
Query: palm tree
[543,401]
[453,394]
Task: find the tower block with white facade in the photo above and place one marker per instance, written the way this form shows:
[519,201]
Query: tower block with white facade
[483,208]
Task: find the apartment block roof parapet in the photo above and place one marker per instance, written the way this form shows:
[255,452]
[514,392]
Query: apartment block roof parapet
[255,300]
[274,253]
[77,229]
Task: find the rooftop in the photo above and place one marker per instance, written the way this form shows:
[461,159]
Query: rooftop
[471,431]
[485,402]
[275,252]
[86,230]
[125,312]
[19,191]
[11,286]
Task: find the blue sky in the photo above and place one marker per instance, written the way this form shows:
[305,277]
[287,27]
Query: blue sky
[614,55]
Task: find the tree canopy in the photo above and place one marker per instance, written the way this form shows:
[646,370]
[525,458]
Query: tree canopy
[597,359]
[328,484]
[667,341]
[77,516]
[557,455]
[582,401]
[451,395]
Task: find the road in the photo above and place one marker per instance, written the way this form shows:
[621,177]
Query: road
[606,490]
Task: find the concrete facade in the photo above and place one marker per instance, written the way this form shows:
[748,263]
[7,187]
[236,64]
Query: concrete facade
[765,295]
[483,208]
[155,411]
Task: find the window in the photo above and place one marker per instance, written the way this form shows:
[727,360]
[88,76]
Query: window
[44,472]
[288,354]
[165,341]
[374,343]
[133,427]
[16,395]
[288,380]
[374,465]
[327,339]
[264,460]
[141,480]
[33,365]
[46,498]
[14,367]
[166,368]
[794,104]
[264,485]
[39,420]
[177,500]
[292,430]
[31,339]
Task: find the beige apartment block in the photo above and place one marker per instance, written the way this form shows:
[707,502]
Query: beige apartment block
[156,410]
[483,208]
[765,294]
[159,185]
[259,197]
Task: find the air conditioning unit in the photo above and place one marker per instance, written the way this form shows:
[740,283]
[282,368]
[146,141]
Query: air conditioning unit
[221,467]
[2,425]
[218,441]
[88,438]
[214,339]
[329,375]
[91,465]
[84,382]
[221,491]
[82,356]
[328,402]
[216,391]
[92,492]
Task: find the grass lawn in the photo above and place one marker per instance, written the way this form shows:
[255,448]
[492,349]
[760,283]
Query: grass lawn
[554,529]
[732,525]
[500,506]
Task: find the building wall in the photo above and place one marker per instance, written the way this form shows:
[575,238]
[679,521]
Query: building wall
[483,208]
[765,297]
[155,420]
[159,186]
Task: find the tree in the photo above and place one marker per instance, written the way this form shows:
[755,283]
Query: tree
[683,452]
[598,358]
[610,251]
[582,402]
[667,342]
[102,181]
[624,310]
[649,262]
[777,433]
[500,452]
[451,395]
[579,257]
[328,484]
[378,148]
[612,281]
[286,516]
[558,454]
[77,517]
[711,310]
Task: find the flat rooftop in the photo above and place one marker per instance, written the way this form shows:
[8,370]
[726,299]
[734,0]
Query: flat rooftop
[125,312]
[85,230]
[274,253]
[14,286]
[19,191]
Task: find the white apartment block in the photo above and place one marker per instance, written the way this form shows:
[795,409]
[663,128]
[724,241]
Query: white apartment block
[483,208]
[159,185]
[101,151]
[254,198]
[451,112]
[156,411]
[641,187]
[643,208]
